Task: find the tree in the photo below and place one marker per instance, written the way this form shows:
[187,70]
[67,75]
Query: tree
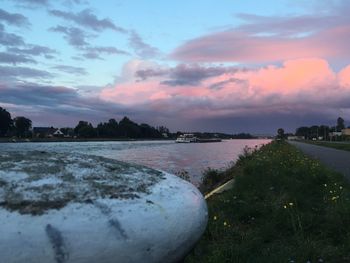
[22,125]
[163,129]
[340,124]
[68,131]
[148,131]
[280,133]
[314,131]
[129,129]
[324,132]
[108,129]
[85,129]
[5,121]
[303,131]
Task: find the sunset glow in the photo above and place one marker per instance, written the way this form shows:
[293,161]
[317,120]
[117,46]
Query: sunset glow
[245,68]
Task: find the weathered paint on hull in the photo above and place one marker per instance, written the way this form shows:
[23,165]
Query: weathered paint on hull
[157,223]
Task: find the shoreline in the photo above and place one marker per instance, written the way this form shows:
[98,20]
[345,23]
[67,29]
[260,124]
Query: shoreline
[39,140]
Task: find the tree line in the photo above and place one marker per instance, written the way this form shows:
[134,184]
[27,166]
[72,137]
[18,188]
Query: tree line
[317,131]
[124,129]
[21,127]
[18,126]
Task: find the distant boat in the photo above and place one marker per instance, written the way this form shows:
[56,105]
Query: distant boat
[186,138]
[189,137]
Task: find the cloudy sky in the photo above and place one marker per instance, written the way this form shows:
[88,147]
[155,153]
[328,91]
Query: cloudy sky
[229,66]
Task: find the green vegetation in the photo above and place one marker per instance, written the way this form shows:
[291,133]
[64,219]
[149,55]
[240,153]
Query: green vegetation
[284,207]
[5,121]
[22,126]
[337,145]
[19,126]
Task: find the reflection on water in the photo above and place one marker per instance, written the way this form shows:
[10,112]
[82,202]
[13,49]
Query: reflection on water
[164,155]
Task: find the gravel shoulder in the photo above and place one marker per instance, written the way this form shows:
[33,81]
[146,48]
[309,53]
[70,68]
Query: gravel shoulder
[338,160]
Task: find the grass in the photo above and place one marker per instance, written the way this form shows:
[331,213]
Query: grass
[337,145]
[284,207]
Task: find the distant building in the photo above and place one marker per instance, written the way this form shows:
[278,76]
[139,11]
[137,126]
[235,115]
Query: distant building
[335,135]
[43,132]
[48,132]
[345,132]
[58,133]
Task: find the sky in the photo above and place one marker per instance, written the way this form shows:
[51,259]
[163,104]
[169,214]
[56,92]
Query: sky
[218,66]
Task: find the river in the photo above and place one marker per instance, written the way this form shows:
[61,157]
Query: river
[164,155]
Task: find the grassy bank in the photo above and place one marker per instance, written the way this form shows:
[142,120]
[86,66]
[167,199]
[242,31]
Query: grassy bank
[336,145]
[284,207]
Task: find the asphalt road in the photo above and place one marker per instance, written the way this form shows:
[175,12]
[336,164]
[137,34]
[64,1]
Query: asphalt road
[338,160]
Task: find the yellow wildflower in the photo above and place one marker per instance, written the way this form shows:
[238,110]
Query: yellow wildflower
[291,204]
[225,224]
[215,218]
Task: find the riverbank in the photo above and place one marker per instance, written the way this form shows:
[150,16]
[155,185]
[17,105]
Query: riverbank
[283,207]
[57,139]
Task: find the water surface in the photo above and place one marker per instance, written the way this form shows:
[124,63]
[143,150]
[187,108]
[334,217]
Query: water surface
[164,155]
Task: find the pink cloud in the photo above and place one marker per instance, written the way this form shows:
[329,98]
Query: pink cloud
[294,87]
[344,77]
[265,39]
[238,46]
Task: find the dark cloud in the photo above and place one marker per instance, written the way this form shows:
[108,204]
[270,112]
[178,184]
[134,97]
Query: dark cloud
[71,69]
[254,117]
[108,50]
[141,48]
[192,74]
[75,36]
[13,19]
[87,19]
[96,52]
[145,74]
[33,50]
[261,123]
[221,84]
[23,72]
[91,55]
[183,74]
[58,105]
[9,39]
[33,94]
[8,58]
